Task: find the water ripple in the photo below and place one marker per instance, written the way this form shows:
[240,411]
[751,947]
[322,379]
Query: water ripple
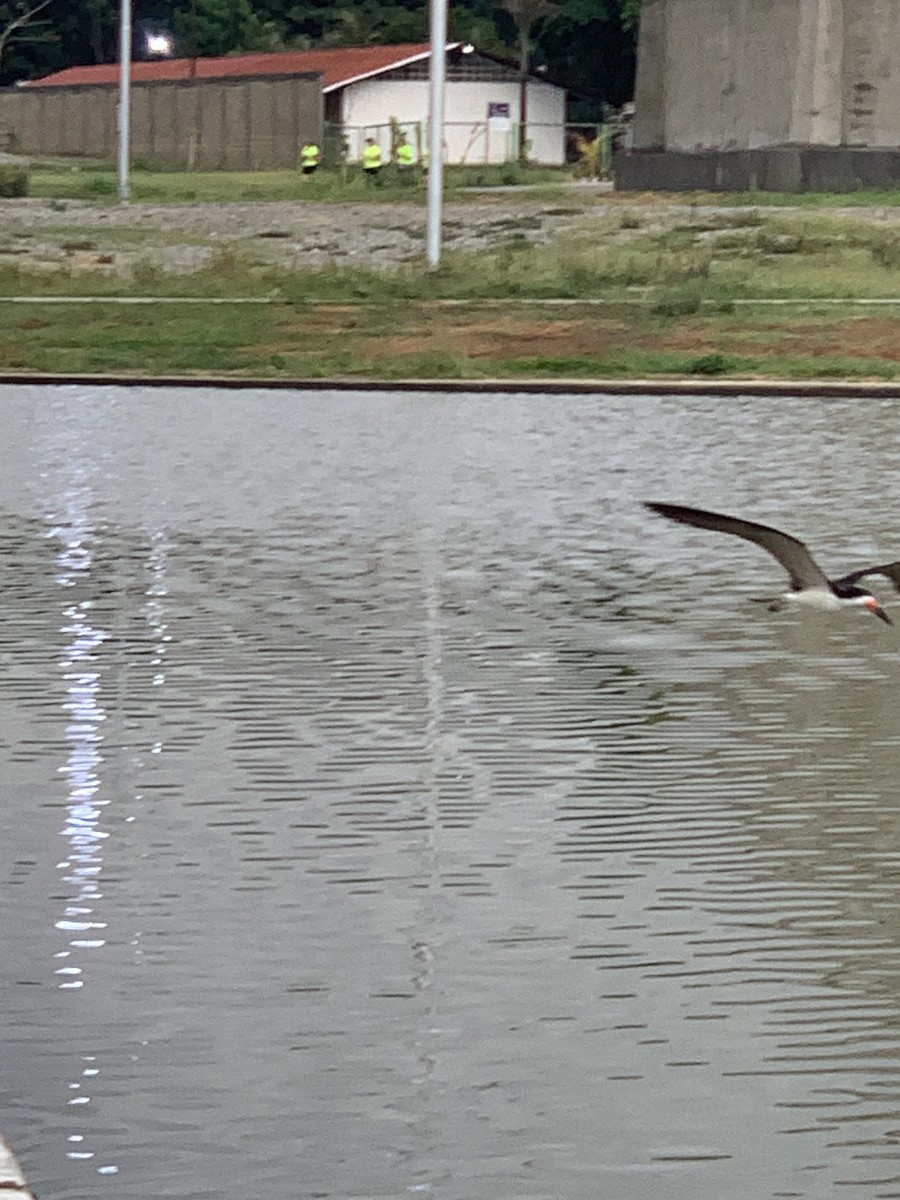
[464,831]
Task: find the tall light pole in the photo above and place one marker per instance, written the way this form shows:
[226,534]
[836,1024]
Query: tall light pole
[437,78]
[124,97]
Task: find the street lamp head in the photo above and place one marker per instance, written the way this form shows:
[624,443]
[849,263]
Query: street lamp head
[160,45]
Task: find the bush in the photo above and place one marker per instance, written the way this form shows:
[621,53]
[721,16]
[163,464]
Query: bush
[885,249]
[681,300]
[709,364]
[780,243]
[100,185]
[13,181]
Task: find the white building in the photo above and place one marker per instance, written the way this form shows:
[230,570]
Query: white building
[481,105]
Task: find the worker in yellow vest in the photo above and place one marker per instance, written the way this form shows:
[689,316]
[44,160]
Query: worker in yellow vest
[405,158]
[309,158]
[371,160]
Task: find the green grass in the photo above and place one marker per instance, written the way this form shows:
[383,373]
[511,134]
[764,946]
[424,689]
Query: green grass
[407,341]
[675,271]
[862,198]
[664,301]
[97,182]
[158,339]
[83,179]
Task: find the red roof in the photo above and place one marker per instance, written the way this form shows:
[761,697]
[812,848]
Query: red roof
[337,66]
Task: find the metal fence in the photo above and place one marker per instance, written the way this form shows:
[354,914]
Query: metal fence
[467,143]
[588,147]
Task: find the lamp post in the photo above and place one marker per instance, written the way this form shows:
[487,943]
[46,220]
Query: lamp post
[124,97]
[437,78]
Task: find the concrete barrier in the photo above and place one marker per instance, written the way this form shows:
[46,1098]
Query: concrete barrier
[774,95]
[768,169]
[242,124]
[12,1180]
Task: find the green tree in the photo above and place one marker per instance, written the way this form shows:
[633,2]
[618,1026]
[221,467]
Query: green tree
[372,23]
[208,28]
[403,24]
[525,15]
[17,20]
[471,23]
[100,25]
[587,45]
[356,25]
[591,47]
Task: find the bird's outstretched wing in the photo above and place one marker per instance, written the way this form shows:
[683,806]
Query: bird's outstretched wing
[890,570]
[800,565]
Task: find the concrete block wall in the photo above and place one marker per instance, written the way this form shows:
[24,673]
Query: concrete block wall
[788,95]
[871,73]
[743,74]
[245,124]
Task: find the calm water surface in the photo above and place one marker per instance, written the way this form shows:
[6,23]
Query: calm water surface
[384,813]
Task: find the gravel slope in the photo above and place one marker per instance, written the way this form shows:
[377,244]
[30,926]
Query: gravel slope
[184,236]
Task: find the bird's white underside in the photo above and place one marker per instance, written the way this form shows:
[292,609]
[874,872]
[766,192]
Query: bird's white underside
[823,598]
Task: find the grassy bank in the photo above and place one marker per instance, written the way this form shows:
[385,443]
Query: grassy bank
[62,179]
[650,290]
[65,180]
[472,341]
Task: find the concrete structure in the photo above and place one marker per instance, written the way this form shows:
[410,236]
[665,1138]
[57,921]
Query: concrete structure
[252,111]
[241,124]
[789,95]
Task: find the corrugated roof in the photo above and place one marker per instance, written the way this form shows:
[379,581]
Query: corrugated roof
[338,66]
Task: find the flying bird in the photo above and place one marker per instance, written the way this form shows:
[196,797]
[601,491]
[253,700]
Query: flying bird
[809,583]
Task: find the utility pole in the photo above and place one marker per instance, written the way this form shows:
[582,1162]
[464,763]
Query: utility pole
[523,94]
[124,98]
[437,78]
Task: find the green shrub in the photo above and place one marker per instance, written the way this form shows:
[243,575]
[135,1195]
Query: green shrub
[100,185]
[13,180]
[680,300]
[146,272]
[780,243]
[709,364]
[885,248]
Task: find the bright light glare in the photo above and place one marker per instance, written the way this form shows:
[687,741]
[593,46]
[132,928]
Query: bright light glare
[159,43]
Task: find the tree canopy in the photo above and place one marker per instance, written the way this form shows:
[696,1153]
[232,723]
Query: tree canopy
[586,45]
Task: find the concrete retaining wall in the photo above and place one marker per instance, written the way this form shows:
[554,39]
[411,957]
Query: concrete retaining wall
[727,76]
[772,169]
[715,73]
[245,124]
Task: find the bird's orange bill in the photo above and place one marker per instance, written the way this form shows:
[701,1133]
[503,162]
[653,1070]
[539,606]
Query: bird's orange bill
[874,607]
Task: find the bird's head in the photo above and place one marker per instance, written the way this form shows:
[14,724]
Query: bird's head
[873,606]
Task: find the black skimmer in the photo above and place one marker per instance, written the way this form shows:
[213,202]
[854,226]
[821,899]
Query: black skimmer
[809,583]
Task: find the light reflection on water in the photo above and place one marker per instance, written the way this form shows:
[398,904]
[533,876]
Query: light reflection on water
[83,833]
[426,830]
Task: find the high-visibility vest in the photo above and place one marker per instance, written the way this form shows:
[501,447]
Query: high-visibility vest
[309,155]
[372,157]
[405,154]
